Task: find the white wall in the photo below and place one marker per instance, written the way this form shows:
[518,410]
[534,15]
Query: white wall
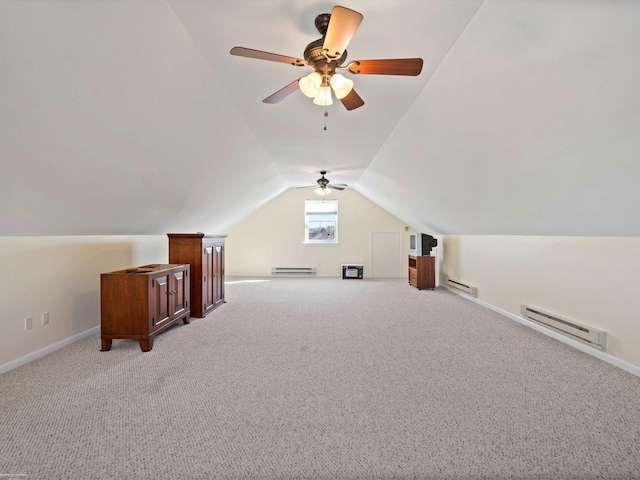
[274,236]
[61,275]
[591,280]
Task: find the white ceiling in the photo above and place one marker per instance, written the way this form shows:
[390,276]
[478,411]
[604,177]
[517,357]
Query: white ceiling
[131,117]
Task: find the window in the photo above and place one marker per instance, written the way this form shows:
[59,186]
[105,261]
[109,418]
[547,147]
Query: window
[321,221]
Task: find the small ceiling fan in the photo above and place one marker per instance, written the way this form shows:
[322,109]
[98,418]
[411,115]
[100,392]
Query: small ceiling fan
[323,187]
[327,55]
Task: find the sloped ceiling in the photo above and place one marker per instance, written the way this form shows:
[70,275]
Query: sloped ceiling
[132,117]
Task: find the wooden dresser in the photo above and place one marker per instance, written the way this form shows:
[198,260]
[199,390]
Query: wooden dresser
[422,272]
[138,303]
[205,254]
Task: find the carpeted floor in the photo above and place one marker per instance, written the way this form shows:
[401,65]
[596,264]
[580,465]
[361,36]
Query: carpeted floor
[324,379]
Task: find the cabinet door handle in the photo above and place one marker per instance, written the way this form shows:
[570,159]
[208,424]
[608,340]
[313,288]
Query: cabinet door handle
[172,292]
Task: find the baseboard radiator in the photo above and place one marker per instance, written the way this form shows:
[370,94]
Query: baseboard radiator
[293,271]
[588,335]
[462,287]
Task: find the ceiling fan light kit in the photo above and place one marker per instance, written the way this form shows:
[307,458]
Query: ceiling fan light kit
[326,55]
[314,86]
[322,191]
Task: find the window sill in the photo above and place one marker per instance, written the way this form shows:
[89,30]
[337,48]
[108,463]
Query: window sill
[322,244]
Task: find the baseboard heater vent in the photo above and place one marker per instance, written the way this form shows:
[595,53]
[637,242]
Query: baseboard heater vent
[293,271]
[588,335]
[462,287]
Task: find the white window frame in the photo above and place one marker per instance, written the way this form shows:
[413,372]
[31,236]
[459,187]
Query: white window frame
[324,206]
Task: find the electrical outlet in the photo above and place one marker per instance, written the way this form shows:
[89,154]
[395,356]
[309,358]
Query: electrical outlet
[45,318]
[28,323]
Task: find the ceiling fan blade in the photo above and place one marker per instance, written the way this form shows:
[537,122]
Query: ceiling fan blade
[391,66]
[342,26]
[336,187]
[260,55]
[352,101]
[343,185]
[282,93]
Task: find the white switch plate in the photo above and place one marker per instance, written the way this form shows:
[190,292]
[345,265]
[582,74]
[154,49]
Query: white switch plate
[45,318]
[28,323]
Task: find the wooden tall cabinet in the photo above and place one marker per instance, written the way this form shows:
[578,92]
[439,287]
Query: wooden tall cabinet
[422,272]
[138,303]
[205,254]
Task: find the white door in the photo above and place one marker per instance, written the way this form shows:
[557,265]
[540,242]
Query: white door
[386,254]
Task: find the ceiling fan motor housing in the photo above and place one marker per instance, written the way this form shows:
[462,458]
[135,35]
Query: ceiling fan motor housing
[323,182]
[314,56]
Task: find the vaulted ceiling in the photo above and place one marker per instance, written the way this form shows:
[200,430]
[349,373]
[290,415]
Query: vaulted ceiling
[131,117]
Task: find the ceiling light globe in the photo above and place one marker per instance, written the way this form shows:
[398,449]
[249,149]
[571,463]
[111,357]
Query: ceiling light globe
[341,85]
[310,84]
[323,97]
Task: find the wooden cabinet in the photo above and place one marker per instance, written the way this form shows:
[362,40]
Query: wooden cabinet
[138,303]
[422,272]
[205,254]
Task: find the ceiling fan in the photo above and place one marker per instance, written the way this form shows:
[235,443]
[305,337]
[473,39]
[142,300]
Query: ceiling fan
[323,187]
[326,56]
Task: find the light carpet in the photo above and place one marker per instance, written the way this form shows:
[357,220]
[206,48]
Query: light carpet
[323,378]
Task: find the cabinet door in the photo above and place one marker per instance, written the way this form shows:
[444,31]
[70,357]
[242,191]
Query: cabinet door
[179,293]
[161,308]
[208,284]
[219,274]
[429,272]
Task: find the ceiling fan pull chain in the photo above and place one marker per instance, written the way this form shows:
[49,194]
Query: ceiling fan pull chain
[326,113]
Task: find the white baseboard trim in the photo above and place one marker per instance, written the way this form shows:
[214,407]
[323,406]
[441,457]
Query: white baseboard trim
[322,275]
[287,275]
[627,367]
[13,364]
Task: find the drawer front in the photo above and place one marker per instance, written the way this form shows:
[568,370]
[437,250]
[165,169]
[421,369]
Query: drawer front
[413,276]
